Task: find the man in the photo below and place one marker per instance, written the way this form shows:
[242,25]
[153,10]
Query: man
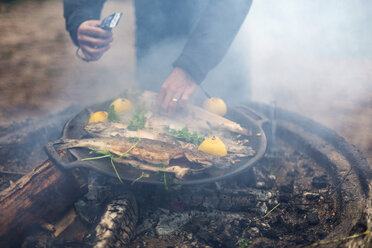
[192,36]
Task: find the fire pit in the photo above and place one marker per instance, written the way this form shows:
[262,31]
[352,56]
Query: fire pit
[311,187]
[311,182]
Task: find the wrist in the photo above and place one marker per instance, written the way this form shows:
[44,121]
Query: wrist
[184,74]
[193,70]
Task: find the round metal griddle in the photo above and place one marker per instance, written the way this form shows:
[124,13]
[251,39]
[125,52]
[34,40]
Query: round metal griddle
[74,129]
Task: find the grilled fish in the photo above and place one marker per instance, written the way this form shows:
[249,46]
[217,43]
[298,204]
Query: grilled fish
[150,151]
[119,130]
[115,129]
[197,119]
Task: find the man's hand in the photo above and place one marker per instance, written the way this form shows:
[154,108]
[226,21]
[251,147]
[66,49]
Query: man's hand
[176,91]
[93,40]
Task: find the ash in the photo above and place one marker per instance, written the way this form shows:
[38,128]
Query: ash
[209,215]
[234,212]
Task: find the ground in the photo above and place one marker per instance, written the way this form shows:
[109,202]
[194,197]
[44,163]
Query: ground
[39,73]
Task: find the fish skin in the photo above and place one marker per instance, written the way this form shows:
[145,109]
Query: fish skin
[150,151]
[196,118]
[178,171]
[115,129]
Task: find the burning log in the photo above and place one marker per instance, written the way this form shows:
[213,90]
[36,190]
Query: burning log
[38,197]
[117,225]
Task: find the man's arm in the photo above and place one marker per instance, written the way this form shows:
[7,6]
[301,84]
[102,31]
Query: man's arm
[78,11]
[82,22]
[213,35]
[205,48]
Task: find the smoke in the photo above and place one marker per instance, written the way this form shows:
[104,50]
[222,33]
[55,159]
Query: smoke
[93,82]
[312,57]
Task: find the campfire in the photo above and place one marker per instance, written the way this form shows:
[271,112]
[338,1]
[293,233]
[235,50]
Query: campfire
[309,188]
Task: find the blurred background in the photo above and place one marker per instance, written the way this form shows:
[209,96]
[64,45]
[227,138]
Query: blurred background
[311,57]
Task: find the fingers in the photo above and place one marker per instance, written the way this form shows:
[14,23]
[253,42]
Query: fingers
[175,92]
[92,53]
[94,32]
[165,96]
[186,96]
[93,40]
[91,28]
[171,102]
[161,95]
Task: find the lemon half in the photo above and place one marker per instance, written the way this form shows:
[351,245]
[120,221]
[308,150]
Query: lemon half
[122,105]
[215,105]
[99,116]
[213,146]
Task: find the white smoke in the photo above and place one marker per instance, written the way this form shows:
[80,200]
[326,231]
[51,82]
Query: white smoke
[312,57]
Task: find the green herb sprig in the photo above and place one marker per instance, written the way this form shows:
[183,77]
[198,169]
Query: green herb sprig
[108,154]
[138,121]
[185,135]
[243,243]
[112,115]
[143,175]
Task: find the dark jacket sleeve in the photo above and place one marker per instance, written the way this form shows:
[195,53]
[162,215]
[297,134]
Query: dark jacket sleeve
[79,11]
[212,36]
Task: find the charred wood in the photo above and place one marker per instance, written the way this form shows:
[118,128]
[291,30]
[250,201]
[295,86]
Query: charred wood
[39,197]
[117,225]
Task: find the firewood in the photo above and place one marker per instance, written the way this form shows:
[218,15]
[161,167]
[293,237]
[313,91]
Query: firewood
[65,222]
[117,225]
[38,197]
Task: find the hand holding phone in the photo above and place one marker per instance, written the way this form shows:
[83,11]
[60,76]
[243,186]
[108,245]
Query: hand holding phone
[111,21]
[95,36]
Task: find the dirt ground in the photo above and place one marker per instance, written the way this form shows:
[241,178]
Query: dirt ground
[40,74]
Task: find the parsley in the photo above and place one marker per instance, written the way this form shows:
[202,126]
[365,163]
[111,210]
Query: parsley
[112,115]
[185,135]
[138,121]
